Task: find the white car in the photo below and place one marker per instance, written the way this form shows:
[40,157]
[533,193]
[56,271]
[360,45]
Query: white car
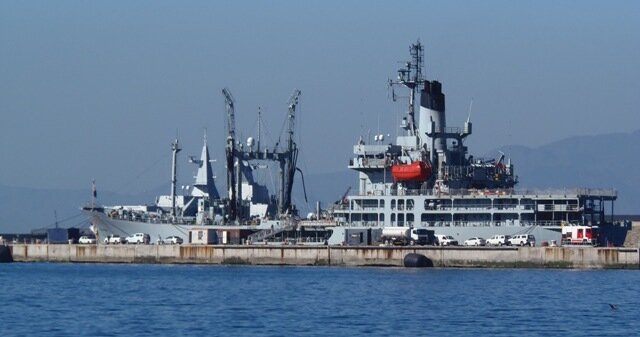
[475,241]
[498,240]
[85,240]
[173,240]
[113,240]
[138,238]
[445,240]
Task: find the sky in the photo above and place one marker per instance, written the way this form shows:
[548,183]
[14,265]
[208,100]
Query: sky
[99,89]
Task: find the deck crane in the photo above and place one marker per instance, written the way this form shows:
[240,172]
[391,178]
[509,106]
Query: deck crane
[230,154]
[291,157]
[236,155]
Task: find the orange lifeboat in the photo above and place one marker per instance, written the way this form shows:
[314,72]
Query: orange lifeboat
[416,171]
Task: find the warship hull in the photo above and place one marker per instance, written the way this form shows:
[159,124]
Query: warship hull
[103,226]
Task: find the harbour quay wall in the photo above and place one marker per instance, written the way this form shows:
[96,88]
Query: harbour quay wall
[494,257]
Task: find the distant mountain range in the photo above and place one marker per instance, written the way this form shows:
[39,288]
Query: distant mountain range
[602,161]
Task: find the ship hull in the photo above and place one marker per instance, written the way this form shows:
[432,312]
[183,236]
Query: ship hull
[103,226]
[469,213]
[343,235]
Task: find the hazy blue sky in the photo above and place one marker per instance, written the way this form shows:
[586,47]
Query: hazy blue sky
[98,89]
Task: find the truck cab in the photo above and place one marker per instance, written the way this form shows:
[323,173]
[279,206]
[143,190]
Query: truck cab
[402,236]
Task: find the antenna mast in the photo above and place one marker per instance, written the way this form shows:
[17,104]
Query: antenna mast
[411,77]
[175,148]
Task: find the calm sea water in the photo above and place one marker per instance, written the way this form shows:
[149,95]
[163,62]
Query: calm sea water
[41,299]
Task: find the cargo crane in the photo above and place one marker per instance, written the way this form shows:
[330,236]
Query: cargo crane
[237,156]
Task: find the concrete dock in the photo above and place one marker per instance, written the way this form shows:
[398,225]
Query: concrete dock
[491,257]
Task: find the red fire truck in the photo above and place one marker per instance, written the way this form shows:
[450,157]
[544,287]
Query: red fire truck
[579,235]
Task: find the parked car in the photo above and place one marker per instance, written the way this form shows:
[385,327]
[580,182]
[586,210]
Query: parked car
[86,240]
[498,240]
[138,238]
[113,240]
[173,240]
[445,240]
[475,241]
[523,240]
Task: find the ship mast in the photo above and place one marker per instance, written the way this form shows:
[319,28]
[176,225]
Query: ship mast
[411,77]
[175,148]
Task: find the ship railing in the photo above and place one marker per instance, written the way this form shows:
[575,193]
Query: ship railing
[264,234]
[153,218]
[483,207]
[367,162]
[452,129]
[317,223]
[462,223]
[501,192]
[593,192]
[360,223]
[500,223]
[558,207]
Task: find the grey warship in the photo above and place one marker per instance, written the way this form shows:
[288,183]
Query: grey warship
[247,210]
[427,179]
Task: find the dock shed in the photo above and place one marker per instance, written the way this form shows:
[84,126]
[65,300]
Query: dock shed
[203,236]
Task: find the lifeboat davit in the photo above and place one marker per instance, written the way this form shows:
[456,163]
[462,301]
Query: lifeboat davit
[416,171]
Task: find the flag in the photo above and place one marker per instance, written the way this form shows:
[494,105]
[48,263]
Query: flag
[93,189]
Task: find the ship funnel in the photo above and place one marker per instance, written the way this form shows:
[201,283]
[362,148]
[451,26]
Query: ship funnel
[432,115]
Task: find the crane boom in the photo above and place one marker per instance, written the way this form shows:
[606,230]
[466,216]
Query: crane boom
[229,103]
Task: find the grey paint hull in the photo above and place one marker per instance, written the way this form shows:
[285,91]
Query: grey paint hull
[104,226]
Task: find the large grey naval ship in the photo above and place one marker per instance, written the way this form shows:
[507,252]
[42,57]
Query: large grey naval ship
[425,180]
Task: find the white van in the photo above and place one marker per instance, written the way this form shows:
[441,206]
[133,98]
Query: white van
[498,240]
[522,240]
